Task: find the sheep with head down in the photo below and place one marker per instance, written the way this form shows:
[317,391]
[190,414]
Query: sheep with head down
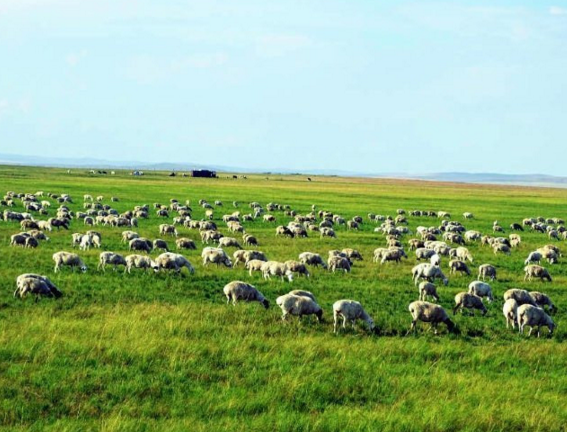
[241,291]
[215,256]
[312,259]
[173,261]
[300,306]
[139,261]
[35,284]
[429,313]
[533,316]
[350,310]
[68,259]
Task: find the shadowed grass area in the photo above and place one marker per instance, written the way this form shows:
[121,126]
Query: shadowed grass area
[164,352]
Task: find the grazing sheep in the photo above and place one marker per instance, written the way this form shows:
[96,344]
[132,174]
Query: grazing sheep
[486,271]
[353,254]
[481,289]
[250,240]
[423,253]
[284,231]
[237,290]
[459,266]
[501,247]
[510,311]
[350,310]
[297,267]
[427,289]
[229,242]
[139,261]
[536,271]
[248,255]
[469,301]
[173,261]
[31,242]
[339,263]
[140,244]
[165,229]
[215,256]
[468,215]
[275,268]
[18,240]
[185,243]
[393,255]
[428,272]
[254,265]
[129,235]
[463,254]
[160,244]
[533,258]
[298,306]
[542,300]
[521,296]
[110,258]
[312,259]
[68,259]
[429,313]
[533,316]
[327,232]
[44,225]
[30,283]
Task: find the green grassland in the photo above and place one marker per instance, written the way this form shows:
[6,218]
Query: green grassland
[165,352]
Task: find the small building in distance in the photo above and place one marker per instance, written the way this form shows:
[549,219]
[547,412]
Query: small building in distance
[203,173]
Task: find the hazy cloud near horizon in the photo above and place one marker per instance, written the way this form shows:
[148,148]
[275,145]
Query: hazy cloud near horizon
[357,86]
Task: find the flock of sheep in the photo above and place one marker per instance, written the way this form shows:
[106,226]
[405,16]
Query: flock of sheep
[448,240]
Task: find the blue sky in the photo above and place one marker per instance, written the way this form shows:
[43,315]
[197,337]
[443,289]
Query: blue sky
[367,86]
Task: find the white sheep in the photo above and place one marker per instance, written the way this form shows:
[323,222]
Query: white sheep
[533,316]
[298,306]
[469,301]
[275,268]
[536,271]
[428,272]
[481,289]
[68,259]
[313,259]
[429,313]
[486,270]
[350,310]
[110,258]
[237,290]
[139,261]
[339,263]
[254,265]
[215,256]
[428,289]
[173,261]
[30,283]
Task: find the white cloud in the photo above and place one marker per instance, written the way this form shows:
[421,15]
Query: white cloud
[556,10]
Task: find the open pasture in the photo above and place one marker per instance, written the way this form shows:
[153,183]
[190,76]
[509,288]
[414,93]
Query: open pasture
[165,352]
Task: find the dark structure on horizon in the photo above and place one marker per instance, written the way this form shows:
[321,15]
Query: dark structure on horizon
[204,173]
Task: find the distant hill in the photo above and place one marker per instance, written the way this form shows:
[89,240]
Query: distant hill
[94,163]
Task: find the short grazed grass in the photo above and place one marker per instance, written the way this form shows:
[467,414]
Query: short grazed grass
[162,352]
